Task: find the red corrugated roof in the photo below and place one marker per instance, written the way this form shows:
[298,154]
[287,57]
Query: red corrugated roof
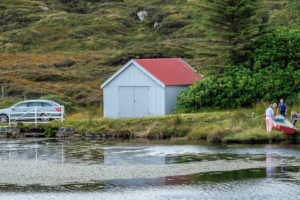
[170,71]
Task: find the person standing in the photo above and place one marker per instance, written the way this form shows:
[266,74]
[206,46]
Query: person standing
[282,108]
[294,117]
[269,117]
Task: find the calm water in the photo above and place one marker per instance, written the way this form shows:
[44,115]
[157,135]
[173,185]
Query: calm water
[262,183]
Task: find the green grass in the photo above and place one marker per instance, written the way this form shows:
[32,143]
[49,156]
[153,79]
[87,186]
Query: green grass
[215,126]
[237,125]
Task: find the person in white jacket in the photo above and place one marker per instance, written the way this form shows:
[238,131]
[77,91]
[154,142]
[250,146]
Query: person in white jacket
[269,117]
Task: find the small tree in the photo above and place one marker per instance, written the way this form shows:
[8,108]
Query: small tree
[230,25]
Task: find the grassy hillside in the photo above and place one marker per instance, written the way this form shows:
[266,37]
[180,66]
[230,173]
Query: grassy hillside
[72,47]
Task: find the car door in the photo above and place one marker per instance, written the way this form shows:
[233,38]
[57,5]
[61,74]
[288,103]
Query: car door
[48,109]
[32,106]
[18,112]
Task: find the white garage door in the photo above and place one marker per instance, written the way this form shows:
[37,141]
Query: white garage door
[133,102]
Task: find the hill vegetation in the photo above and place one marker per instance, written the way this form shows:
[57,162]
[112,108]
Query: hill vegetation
[69,47]
[271,74]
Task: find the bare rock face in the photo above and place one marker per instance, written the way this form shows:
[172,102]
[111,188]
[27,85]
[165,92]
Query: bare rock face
[90,134]
[43,8]
[142,15]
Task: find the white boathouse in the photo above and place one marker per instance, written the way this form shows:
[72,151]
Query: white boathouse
[146,87]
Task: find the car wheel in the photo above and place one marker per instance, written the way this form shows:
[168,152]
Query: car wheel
[45,117]
[3,119]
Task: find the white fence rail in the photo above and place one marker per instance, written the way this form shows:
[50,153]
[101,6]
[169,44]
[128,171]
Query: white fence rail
[37,115]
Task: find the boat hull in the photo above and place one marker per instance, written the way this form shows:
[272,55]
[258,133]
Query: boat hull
[286,130]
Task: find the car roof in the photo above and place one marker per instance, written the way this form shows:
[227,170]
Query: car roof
[38,100]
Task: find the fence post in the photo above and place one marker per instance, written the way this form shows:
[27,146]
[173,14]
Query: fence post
[35,119]
[9,116]
[62,113]
[2,92]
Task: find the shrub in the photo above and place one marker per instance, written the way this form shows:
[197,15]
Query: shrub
[272,73]
[49,132]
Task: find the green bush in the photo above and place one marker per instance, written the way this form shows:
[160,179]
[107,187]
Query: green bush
[272,73]
[49,132]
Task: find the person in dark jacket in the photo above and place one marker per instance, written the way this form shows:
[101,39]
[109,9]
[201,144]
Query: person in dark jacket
[282,108]
[295,117]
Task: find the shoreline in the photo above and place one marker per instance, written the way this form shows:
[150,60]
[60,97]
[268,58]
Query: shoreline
[244,126]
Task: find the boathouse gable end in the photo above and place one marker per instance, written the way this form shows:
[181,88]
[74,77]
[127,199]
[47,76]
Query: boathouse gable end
[133,93]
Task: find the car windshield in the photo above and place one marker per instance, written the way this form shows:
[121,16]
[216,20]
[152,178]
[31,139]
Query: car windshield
[21,105]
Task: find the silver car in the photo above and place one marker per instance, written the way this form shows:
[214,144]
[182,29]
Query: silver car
[25,111]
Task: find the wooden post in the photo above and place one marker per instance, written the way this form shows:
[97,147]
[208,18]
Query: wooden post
[2,92]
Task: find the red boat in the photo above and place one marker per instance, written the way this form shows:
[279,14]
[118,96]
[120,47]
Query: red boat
[284,125]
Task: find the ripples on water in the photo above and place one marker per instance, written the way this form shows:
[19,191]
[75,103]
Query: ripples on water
[266,183]
[242,184]
[129,152]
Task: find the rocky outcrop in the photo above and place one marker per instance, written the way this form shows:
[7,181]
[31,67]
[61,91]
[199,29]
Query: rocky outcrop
[142,15]
[109,134]
[43,8]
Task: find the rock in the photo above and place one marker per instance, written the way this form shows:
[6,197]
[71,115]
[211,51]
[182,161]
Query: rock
[90,134]
[35,134]
[14,135]
[43,8]
[142,15]
[9,131]
[77,135]
[64,131]
[155,24]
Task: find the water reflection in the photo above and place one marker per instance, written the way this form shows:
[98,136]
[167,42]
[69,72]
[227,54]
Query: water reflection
[140,152]
[272,182]
[209,180]
[31,150]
